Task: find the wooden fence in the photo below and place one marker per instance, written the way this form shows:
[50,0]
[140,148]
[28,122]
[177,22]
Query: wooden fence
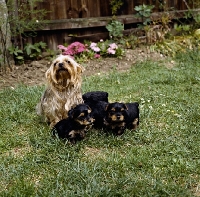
[87,18]
[67,9]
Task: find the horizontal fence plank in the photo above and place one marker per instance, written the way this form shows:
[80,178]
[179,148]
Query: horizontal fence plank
[103,21]
[67,9]
[69,30]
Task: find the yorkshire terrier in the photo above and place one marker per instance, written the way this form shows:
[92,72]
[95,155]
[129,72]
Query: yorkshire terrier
[97,100]
[121,116]
[63,89]
[75,126]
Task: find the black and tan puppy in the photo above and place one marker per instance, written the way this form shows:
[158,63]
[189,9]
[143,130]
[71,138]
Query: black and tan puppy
[75,126]
[97,101]
[120,116]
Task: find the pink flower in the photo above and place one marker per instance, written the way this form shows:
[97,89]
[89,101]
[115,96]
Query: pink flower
[93,44]
[111,51]
[62,47]
[68,53]
[72,49]
[94,47]
[113,46]
[97,55]
[76,47]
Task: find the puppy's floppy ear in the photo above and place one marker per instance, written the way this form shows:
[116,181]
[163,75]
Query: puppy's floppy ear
[125,107]
[89,110]
[71,113]
[106,107]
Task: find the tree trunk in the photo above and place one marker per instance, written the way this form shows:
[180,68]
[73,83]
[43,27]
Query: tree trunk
[5,38]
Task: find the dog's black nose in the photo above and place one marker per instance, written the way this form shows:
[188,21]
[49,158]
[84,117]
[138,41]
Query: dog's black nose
[118,117]
[60,64]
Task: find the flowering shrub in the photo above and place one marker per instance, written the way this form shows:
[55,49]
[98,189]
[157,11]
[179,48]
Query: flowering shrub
[106,48]
[112,48]
[94,47]
[91,50]
[72,49]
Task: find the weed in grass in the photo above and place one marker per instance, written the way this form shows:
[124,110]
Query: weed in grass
[160,158]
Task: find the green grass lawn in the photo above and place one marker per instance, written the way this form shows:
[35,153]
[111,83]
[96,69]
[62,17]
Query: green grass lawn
[160,158]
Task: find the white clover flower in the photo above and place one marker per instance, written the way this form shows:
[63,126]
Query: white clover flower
[177,115]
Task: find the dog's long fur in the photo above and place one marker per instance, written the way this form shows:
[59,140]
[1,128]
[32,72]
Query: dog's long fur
[63,89]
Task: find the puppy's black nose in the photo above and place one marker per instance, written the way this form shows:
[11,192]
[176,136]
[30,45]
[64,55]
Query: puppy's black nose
[118,117]
[60,64]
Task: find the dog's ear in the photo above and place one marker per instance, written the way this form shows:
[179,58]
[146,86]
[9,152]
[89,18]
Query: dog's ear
[80,69]
[125,107]
[48,73]
[106,107]
[71,113]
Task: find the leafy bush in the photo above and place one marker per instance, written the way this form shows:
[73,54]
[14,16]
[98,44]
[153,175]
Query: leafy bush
[144,12]
[17,54]
[115,5]
[30,52]
[33,51]
[115,29]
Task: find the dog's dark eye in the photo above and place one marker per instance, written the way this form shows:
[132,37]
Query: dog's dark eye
[68,62]
[55,64]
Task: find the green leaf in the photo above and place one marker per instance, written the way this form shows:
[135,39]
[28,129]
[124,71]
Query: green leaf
[20,57]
